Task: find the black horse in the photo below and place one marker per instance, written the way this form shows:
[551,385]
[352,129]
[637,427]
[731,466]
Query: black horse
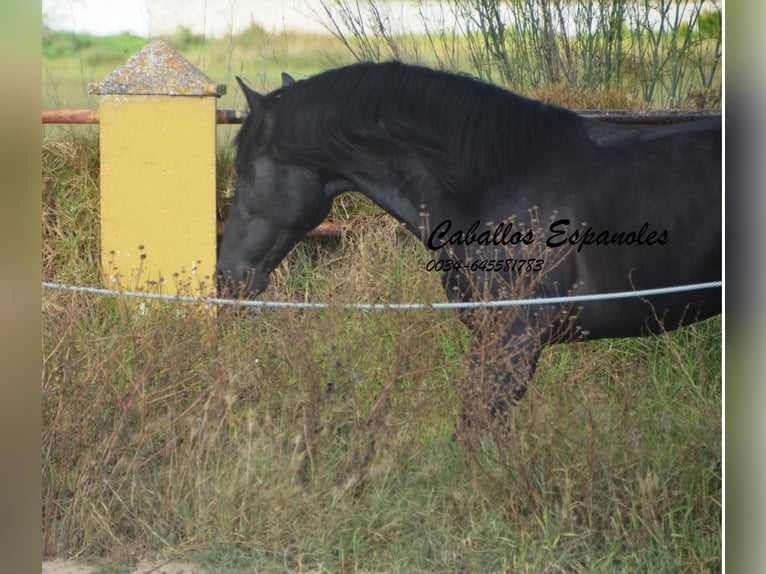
[513,196]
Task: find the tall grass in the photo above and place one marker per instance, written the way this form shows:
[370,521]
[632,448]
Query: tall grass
[279,440]
[660,53]
[664,53]
[71,62]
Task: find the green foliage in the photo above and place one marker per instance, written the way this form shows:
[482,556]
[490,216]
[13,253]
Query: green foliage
[613,51]
[72,61]
[184,39]
[279,440]
[711,24]
[641,49]
[93,50]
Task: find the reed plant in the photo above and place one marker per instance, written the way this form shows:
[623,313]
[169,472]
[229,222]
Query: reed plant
[662,53]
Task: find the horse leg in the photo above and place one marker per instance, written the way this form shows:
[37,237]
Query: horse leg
[501,370]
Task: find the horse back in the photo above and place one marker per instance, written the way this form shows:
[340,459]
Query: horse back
[650,200]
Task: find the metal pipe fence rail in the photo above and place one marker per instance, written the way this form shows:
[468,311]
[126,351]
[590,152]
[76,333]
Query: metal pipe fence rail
[232,117]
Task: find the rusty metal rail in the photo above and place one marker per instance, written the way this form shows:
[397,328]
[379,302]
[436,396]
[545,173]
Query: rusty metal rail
[324,229]
[333,229]
[231,117]
[649,117]
[70,116]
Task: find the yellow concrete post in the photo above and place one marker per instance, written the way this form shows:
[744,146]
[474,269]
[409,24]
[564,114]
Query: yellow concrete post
[157,137]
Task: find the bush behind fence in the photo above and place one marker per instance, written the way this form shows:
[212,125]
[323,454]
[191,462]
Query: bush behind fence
[664,53]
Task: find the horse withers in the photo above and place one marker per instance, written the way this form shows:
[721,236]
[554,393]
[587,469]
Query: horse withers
[514,197]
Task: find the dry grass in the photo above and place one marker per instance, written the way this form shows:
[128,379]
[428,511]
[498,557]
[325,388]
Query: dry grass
[276,440]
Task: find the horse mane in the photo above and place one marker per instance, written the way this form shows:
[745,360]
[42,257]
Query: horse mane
[467,132]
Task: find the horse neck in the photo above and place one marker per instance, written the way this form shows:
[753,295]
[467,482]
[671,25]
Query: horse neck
[412,188]
[402,187]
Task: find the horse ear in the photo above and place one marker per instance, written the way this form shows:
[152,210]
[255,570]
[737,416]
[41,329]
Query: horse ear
[253,98]
[287,80]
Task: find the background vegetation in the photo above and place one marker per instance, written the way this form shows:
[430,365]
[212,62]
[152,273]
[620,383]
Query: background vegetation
[278,440]
[579,53]
[663,53]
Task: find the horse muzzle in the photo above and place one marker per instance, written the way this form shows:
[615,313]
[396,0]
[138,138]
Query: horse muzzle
[249,285]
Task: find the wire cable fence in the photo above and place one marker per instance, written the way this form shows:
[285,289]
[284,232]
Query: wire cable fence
[218,301]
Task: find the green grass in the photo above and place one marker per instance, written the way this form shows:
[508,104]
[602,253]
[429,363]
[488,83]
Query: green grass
[322,441]
[91,50]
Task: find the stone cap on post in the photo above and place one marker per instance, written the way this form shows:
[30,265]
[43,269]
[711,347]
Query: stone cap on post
[157,70]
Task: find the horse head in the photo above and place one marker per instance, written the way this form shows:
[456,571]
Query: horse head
[276,202]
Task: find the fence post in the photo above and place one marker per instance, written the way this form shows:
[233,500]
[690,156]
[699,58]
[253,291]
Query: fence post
[158,142]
